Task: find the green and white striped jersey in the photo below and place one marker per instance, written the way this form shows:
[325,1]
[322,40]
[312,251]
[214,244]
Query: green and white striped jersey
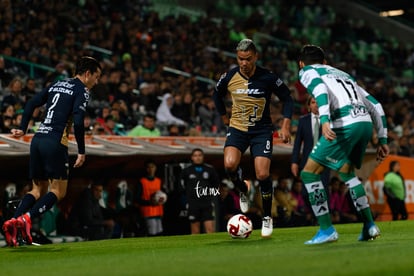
[341,100]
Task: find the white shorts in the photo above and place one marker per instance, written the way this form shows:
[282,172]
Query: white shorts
[154,226]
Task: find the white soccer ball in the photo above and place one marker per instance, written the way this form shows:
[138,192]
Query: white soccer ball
[239,226]
[159,197]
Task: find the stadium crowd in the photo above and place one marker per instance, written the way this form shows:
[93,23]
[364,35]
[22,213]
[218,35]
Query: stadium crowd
[140,45]
[135,45]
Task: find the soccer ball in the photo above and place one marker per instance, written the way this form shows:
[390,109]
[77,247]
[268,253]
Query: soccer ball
[239,226]
[159,197]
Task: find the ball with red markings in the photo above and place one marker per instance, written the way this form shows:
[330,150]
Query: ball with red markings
[159,198]
[239,226]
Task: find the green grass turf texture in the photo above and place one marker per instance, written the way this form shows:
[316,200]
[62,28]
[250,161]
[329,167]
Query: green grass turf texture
[219,254]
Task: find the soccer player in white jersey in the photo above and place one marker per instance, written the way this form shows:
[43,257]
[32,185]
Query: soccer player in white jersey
[348,115]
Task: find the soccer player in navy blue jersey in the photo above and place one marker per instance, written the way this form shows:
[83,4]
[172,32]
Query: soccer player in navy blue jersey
[251,87]
[66,102]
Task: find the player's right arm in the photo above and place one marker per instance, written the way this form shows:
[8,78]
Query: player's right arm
[79,160]
[220,92]
[38,100]
[315,86]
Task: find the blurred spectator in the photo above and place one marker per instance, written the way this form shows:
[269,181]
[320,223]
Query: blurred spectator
[236,34]
[152,212]
[109,125]
[301,215]
[173,130]
[403,149]
[208,115]
[394,189]
[340,202]
[147,98]
[164,115]
[411,144]
[48,224]
[88,124]
[189,105]
[278,126]
[100,93]
[147,128]
[5,75]
[307,135]
[17,118]
[114,80]
[15,96]
[285,203]
[98,129]
[108,122]
[126,215]
[11,197]
[87,219]
[182,109]
[60,73]
[124,115]
[102,113]
[124,93]
[7,115]
[29,90]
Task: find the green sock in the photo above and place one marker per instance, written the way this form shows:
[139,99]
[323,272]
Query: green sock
[317,198]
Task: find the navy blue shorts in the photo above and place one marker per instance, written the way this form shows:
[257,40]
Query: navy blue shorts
[260,142]
[197,212]
[48,159]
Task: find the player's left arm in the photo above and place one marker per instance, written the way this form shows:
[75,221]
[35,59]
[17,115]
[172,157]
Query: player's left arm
[78,113]
[38,100]
[315,86]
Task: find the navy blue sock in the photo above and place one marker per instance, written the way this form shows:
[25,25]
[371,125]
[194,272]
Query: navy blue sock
[267,194]
[25,204]
[237,178]
[43,204]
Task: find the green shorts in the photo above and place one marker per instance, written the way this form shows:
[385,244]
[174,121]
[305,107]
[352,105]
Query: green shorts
[348,147]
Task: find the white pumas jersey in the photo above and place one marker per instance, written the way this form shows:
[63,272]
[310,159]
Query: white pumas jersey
[340,99]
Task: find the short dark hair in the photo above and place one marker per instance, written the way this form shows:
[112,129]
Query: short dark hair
[309,99]
[246,45]
[150,114]
[197,149]
[311,54]
[109,118]
[149,161]
[87,63]
[392,164]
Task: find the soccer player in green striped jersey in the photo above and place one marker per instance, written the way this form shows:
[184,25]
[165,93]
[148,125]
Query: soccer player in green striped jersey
[348,115]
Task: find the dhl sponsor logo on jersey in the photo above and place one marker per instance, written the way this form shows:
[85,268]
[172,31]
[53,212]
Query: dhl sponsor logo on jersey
[248,91]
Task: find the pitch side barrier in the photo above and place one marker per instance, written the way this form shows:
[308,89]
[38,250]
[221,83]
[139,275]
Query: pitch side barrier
[121,158]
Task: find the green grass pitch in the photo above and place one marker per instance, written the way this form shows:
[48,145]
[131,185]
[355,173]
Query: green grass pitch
[219,254]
